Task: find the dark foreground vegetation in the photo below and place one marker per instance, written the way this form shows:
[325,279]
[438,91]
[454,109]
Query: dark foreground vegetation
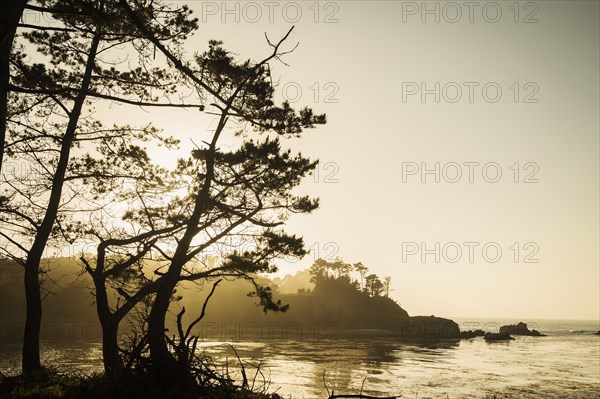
[53,385]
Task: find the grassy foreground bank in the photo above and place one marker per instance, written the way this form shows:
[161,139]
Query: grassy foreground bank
[54,385]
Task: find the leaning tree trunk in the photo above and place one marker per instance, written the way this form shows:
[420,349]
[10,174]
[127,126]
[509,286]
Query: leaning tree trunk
[31,339]
[163,362]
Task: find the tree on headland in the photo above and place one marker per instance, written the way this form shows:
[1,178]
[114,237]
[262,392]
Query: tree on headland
[362,272]
[373,285]
[324,273]
[386,285]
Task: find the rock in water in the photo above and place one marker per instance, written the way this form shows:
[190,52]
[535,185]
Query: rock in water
[428,329]
[472,334]
[520,329]
[501,336]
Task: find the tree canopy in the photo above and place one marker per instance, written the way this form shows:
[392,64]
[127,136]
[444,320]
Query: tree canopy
[93,180]
[338,274]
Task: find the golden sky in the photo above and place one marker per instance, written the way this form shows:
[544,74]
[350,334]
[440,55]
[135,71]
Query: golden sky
[452,92]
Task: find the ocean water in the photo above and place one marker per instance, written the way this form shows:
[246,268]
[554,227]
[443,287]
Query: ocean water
[564,364]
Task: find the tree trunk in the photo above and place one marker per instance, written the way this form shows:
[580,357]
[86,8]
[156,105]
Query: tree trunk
[33,299]
[31,339]
[163,362]
[10,14]
[110,349]
[110,328]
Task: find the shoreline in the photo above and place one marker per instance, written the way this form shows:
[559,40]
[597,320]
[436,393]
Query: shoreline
[74,386]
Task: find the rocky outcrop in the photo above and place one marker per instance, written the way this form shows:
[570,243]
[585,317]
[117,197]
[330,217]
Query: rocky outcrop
[598,333]
[472,334]
[428,329]
[520,329]
[501,336]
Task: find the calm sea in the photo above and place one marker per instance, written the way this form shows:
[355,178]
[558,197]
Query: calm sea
[564,364]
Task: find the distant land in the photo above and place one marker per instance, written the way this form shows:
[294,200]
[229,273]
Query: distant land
[327,306]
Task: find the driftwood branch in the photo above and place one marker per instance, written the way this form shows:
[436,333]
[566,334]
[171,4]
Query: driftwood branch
[332,395]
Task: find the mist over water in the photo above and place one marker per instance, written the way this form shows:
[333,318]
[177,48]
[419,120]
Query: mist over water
[566,363]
